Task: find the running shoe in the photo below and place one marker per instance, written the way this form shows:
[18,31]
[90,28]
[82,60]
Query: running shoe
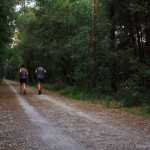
[24,92]
[40,92]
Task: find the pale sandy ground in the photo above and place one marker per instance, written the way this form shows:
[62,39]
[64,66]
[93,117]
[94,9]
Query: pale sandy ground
[51,122]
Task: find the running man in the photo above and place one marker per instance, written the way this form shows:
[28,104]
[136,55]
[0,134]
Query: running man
[40,71]
[23,79]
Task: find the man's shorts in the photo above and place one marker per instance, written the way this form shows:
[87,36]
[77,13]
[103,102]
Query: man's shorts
[23,80]
[40,80]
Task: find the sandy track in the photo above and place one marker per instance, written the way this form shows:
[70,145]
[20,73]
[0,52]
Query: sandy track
[50,122]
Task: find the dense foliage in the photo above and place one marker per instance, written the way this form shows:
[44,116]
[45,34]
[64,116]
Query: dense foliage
[100,46]
[6,28]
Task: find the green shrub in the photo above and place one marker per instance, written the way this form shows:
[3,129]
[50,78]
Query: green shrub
[110,102]
[75,93]
[54,87]
[128,97]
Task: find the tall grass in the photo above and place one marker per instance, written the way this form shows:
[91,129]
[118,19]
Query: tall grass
[73,92]
[53,87]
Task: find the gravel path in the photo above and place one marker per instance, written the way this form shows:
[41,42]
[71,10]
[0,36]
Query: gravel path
[51,122]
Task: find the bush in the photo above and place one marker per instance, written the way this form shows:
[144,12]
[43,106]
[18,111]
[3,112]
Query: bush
[110,102]
[54,87]
[76,93]
[128,97]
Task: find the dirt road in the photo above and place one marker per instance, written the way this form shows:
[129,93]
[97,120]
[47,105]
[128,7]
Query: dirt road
[50,122]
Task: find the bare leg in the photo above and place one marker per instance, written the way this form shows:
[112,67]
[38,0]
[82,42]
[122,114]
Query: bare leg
[24,88]
[21,87]
[39,87]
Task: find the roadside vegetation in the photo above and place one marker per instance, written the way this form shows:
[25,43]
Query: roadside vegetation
[104,100]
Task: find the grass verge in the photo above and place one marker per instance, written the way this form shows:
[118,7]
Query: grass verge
[105,101]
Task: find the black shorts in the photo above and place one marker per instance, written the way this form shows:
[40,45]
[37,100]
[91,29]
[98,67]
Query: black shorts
[23,80]
[40,80]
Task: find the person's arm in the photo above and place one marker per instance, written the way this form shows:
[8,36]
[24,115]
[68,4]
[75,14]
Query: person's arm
[44,71]
[20,71]
[27,72]
[35,71]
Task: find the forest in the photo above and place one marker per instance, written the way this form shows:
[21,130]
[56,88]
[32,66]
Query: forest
[101,47]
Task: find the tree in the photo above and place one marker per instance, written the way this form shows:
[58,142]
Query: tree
[6,27]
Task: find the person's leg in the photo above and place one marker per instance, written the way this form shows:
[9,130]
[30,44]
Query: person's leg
[24,86]
[21,86]
[39,86]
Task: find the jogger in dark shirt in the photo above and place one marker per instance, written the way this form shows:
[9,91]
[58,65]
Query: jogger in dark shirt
[40,71]
[23,78]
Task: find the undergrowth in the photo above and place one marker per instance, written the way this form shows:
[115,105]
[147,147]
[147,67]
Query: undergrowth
[73,92]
